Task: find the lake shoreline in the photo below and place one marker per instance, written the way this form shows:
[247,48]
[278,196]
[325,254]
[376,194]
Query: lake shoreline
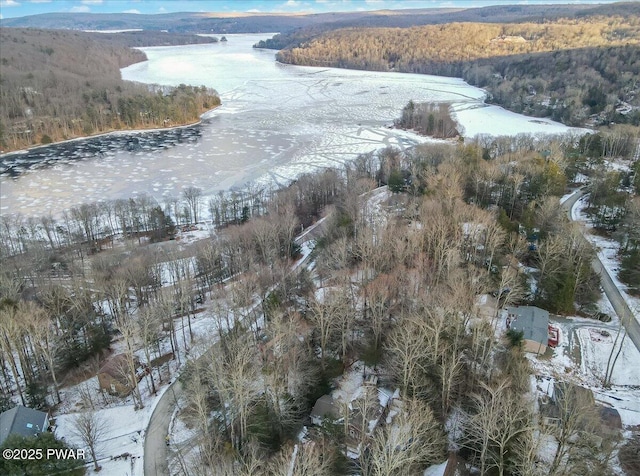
[203,117]
[276,123]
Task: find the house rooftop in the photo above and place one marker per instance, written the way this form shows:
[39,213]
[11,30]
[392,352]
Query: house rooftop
[325,407]
[532,321]
[115,366]
[22,421]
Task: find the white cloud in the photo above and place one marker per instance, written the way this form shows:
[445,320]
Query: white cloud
[133,10]
[162,10]
[80,9]
[91,2]
[40,1]
[8,3]
[288,5]
[254,10]
[373,2]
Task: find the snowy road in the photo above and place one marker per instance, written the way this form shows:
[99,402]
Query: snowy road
[155,448]
[611,290]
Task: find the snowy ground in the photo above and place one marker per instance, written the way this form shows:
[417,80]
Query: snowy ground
[582,357]
[607,250]
[123,437]
[125,426]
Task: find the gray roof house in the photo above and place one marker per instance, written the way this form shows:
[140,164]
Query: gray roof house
[324,407]
[533,322]
[22,421]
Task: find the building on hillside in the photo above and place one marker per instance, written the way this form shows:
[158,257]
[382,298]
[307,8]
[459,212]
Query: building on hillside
[365,407]
[533,322]
[609,422]
[325,407]
[575,393]
[22,421]
[115,375]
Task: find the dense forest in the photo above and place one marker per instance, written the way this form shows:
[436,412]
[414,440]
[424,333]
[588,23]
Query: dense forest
[58,85]
[571,70]
[391,298]
[355,321]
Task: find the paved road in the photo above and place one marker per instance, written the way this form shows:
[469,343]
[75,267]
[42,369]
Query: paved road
[611,290]
[155,447]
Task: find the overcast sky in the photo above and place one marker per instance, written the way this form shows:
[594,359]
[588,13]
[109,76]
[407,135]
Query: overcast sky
[18,8]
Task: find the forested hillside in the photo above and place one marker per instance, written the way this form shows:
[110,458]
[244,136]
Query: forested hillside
[60,84]
[566,69]
[388,315]
[242,22]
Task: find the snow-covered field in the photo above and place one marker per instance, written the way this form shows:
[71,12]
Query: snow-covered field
[276,122]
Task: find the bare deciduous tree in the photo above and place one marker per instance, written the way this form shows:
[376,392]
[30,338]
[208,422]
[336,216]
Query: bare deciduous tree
[408,355]
[304,459]
[192,196]
[90,428]
[500,417]
[406,447]
[233,369]
[577,421]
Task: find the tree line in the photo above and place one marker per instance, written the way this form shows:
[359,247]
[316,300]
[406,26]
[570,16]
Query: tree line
[394,288]
[569,69]
[58,85]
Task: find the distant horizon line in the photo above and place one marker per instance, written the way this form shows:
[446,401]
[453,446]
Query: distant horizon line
[13,9]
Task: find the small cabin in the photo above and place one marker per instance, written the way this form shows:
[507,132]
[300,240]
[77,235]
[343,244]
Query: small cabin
[533,322]
[115,375]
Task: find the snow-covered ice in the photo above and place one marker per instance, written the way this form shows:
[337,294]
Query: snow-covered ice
[276,122]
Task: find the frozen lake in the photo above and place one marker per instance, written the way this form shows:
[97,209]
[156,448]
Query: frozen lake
[276,121]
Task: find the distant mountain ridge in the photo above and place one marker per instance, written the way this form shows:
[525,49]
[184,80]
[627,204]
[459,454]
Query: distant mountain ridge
[262,23]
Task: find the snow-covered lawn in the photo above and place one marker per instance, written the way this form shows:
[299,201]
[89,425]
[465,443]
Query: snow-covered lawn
[123,437]
[582,356]
[596,345]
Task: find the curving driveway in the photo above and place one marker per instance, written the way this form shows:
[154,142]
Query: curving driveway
[155,447]
[156,451]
